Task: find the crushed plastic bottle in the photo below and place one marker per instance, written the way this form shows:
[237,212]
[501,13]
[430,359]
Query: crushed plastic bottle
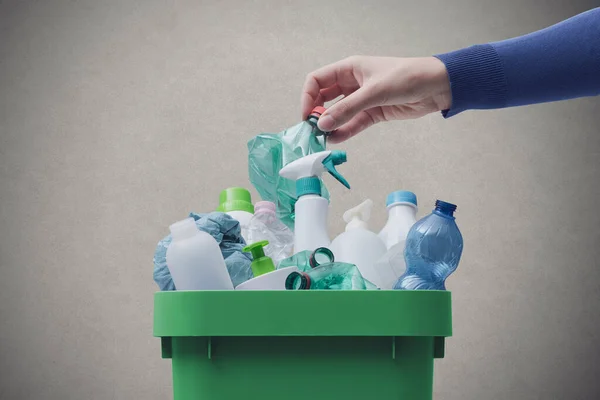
[268,153]
[370,285]
[331,276]
[307,260]
[300,260]
[433,249]
[265,225]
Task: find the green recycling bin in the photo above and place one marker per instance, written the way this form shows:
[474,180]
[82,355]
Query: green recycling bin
[299,345]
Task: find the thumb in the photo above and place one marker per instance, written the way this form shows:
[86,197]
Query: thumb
[345,109]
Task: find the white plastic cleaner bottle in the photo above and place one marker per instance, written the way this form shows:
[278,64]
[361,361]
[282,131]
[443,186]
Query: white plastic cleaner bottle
[310,224]
[402,215]
[237,203]
[358,245]
[194,259]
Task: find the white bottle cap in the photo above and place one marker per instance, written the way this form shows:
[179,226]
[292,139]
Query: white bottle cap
[183,229]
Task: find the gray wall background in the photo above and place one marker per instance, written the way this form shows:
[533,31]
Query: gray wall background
[119,117]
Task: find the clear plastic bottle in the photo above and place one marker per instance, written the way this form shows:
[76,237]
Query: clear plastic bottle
[194,259]
[265,225]
[331,276]
[433,249]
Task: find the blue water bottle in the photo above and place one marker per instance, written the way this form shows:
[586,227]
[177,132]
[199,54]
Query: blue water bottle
[433,249]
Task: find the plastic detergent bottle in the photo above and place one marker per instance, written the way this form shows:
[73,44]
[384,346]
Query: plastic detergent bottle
[265,225]
[402,215]
[331,276]
[237,203]
[433,249]
[358,245]
[310,224]
[266,277]
[194,259]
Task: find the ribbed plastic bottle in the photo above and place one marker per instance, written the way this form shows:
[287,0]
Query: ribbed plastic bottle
[194,259]
[237,203]
[433,249]
[358,245]
[265,225]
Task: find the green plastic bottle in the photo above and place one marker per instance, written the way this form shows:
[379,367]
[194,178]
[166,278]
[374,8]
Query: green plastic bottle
[331,276]
[307,260]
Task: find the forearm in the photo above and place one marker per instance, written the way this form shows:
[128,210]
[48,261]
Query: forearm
[557,63]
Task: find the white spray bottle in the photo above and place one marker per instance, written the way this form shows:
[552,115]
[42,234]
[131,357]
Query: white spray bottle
[310,224]
[358,245]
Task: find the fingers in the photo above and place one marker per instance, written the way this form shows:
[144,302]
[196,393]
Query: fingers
[348,107]
[357,124]
[338,73]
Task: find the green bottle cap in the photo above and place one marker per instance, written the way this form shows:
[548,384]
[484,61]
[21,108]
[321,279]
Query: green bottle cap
[235,199]
[261,264]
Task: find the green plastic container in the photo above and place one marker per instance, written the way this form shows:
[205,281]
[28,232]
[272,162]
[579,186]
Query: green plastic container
[302,345]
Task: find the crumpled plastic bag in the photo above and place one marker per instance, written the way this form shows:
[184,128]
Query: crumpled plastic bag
[268,153]
[227,233]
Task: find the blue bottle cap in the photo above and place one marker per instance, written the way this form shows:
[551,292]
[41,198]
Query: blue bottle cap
[401,196]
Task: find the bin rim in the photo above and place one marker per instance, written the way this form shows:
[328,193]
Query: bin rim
[303,313]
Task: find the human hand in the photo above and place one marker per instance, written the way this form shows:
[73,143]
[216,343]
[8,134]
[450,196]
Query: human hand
[375,89]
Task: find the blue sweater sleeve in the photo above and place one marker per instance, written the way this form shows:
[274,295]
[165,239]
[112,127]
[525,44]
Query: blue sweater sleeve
[557,63]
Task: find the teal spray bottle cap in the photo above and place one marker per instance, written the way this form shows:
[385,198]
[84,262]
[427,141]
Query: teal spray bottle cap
[261,264]
[307,170]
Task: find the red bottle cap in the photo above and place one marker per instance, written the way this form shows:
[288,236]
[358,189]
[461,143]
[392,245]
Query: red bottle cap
[318,111]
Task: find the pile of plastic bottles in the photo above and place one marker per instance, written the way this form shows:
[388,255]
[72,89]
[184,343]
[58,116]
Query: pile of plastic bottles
[287,235]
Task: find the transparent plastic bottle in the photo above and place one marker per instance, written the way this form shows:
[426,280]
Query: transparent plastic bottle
[265,225]
[433,249]
[331,276]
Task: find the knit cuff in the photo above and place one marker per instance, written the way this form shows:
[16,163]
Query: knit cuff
[477,79]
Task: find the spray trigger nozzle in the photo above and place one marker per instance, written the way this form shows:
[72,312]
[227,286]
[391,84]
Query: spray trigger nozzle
[336,158]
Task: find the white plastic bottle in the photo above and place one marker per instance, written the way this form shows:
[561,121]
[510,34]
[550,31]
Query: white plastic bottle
[402,215]
[310,223]
[237,203]
[358,245]
[194,259]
